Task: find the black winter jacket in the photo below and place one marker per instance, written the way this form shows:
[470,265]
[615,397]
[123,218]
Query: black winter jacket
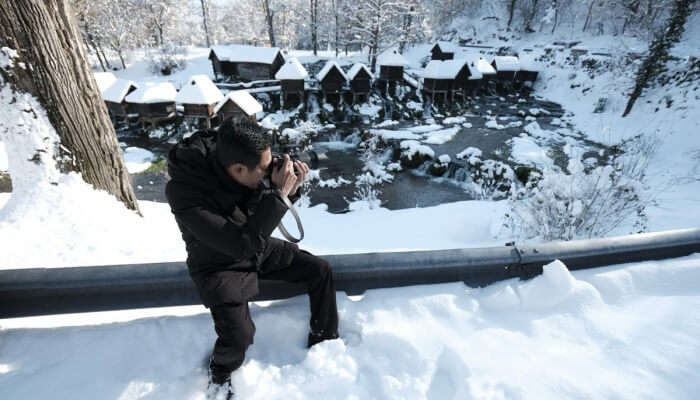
[226,226]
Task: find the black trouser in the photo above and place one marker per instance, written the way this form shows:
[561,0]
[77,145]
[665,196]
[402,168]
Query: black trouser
[235,328]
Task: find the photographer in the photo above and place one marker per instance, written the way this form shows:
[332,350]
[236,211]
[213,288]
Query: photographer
[226,215]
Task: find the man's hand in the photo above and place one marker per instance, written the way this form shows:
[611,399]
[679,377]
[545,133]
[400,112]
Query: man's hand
[301,171]
[283,177]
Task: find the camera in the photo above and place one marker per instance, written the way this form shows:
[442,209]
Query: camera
[310,157]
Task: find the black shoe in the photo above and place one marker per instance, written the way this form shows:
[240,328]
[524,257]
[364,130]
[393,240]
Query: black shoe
[219,386]
[320,336]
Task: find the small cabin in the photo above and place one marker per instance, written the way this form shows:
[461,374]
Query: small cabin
[154,102]
[391,66]
[474,80]
[115,95]
[529,69]
[360,79]
[332,78]
[245,63]
[445,77]
[199,96]
[443,51]
[506,67]
[291,77]
[239,105]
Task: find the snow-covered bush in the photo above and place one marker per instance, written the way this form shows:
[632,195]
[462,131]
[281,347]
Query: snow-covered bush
[167,59]
[366,196]
[584,203]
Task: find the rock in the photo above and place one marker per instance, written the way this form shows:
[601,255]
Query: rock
[5,182]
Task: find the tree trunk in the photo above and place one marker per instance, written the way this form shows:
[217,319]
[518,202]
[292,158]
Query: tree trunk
[511,11]
[269,15]
[104,56]
[205,19]
[657,56]
[588,15]
[314,25]
[52,67]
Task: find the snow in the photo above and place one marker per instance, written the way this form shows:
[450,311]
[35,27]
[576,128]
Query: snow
[447,47]
[444,159]
[3,158]
[292,70]
[507,63]
[118,90]
[199,90]
[392,59]
[447,69]
[413,147]
[242,99]
[528,63]
[471,154]
[248,54]
[104,80]
[484,67]
[526,151]
[387,134]
[356,68]
[152,92]
[137,159]
[326,69]
[441,136]
[454,120]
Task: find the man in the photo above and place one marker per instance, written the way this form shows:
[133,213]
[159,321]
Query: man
[226,215]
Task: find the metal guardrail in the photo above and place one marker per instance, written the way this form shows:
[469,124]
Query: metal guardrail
[40,291]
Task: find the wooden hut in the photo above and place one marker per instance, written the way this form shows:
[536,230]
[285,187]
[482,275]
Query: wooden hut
[360,81]
[445,78]
[199,96]
[391,66]
[239,105]
[529,69]
[245,63]
[506,68]
[443,51]
[115,95]
[474,79]
[291,77]
[154,102]
[333,80]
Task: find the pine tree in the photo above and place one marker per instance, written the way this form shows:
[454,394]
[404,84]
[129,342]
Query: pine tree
[655,62]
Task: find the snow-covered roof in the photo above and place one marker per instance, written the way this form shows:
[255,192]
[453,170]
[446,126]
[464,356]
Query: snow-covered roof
[484,67]
[199,90]
[243,53]
[474,70]
[116,92]
[506,63]
[528,63]
[327,68]
[104,80]
[356,68]
[292,69]
[149,93]
[447,47]
[447,69]
[392,59]
[242,99]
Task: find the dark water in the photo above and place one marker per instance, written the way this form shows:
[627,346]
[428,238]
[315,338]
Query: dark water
[409,188]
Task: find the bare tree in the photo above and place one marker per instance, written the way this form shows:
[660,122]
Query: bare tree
[511,11]
[313,13]
[205,21]
[49,65]
[269,18]
[658,54]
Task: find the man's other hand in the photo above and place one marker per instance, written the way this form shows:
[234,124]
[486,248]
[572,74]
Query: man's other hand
[283,176]
[301,171]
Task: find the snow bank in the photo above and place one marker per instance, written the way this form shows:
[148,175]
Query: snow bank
[557,334]
[387,134]
[441,136]
[137,159]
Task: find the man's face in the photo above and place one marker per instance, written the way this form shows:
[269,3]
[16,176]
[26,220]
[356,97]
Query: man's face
[251,177]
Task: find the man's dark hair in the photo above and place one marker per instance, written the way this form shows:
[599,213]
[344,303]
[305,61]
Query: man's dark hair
[241,142]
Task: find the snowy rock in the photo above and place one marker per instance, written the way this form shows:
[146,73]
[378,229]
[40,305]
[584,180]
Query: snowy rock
[454,120]
[441,136]
[471,154]
[414,153]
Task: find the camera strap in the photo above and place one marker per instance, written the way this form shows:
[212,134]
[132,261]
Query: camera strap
[281,227]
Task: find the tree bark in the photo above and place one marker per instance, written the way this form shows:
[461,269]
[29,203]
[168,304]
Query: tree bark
[269,18]
[53,68]
[205,19]
[511,11]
